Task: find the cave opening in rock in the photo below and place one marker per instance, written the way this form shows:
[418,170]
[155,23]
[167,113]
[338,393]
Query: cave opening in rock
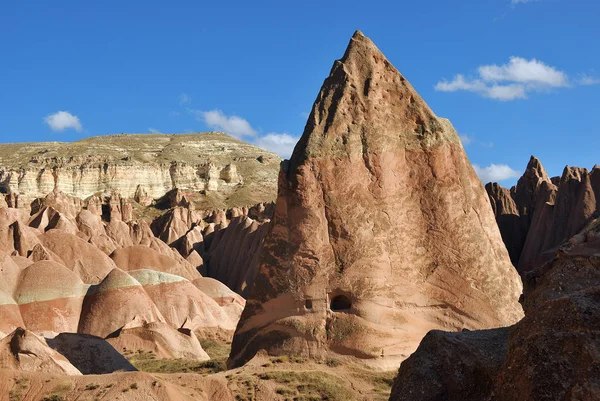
[340,303]
[308,304]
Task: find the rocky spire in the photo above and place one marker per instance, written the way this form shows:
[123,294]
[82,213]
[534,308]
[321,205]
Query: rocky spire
[381,231]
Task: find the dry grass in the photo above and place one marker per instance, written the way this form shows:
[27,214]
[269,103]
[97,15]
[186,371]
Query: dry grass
[308,385]
[147,362]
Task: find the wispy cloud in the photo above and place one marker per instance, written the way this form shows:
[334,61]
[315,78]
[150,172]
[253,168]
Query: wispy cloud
[514,2]
[466,139]
[233,125]
[174,114]
[495,172]
[588,80]
[154,131]
[282,144]
[471,139]
[510,81]
[62,120]
[184,98]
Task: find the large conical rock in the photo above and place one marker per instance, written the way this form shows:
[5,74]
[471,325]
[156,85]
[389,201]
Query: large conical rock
[382,230]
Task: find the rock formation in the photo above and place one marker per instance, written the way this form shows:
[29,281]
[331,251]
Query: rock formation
[23,350]
[161,340]
[142,167]
[551,354]
[539,213]
[452,366]
[381,231]
[91,355]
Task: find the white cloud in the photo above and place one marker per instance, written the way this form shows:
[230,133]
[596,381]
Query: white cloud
[509,81]
[154,131]
[587,80]
[62,120]
[282,144]
[523,1]
[531,72]
[466,139]
[233,125]
[495,172]
[184,98]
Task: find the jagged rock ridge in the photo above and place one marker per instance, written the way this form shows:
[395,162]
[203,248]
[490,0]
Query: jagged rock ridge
[381,231]
[540,212]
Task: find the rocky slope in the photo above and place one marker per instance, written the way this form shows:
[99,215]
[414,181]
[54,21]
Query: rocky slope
[143,167]
[552,354]
[539,213]
[381,231]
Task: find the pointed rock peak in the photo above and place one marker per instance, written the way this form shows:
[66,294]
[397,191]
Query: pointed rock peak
[365,107]
[535,168]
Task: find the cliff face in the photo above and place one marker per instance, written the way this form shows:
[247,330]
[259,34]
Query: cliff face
[551,354]
[381,231]
[540,213]
[235,173]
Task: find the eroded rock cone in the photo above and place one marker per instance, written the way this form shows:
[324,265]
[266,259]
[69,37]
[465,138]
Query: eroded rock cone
[381,232]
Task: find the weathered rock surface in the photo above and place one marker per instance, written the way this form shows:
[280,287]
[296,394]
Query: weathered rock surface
[91,355]
[142,167]
[552,353]
[162,340]
[452,366]
[23,350]
[381,232]
[540,213]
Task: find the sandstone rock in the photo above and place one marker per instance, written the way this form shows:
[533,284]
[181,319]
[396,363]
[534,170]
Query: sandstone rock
[50,296]
[162,340]
[89,354]
[142,167]
[548,211]
[23,350]
[382,230]
[234,253]
[10,315]
[452,366]
[181,303]
[141,196]
[87,261]
[126,300]
[553,352]
[141,257]
[89,224]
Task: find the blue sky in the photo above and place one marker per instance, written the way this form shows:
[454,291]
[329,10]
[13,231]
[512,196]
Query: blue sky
[515,78]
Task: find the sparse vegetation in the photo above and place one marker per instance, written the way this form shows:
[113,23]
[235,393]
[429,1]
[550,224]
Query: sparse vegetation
[92,386]
[53,397]
[21,385]
[216,350]
[308,385]
[147,362]
[332,362]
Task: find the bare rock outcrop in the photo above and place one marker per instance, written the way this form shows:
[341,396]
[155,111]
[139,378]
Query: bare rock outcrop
[91,355]
[23,350]
[234,253]
[125,297]
[143,167]
[161,340]
[540,213]
[452,366]
[381,232]
[551,354]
